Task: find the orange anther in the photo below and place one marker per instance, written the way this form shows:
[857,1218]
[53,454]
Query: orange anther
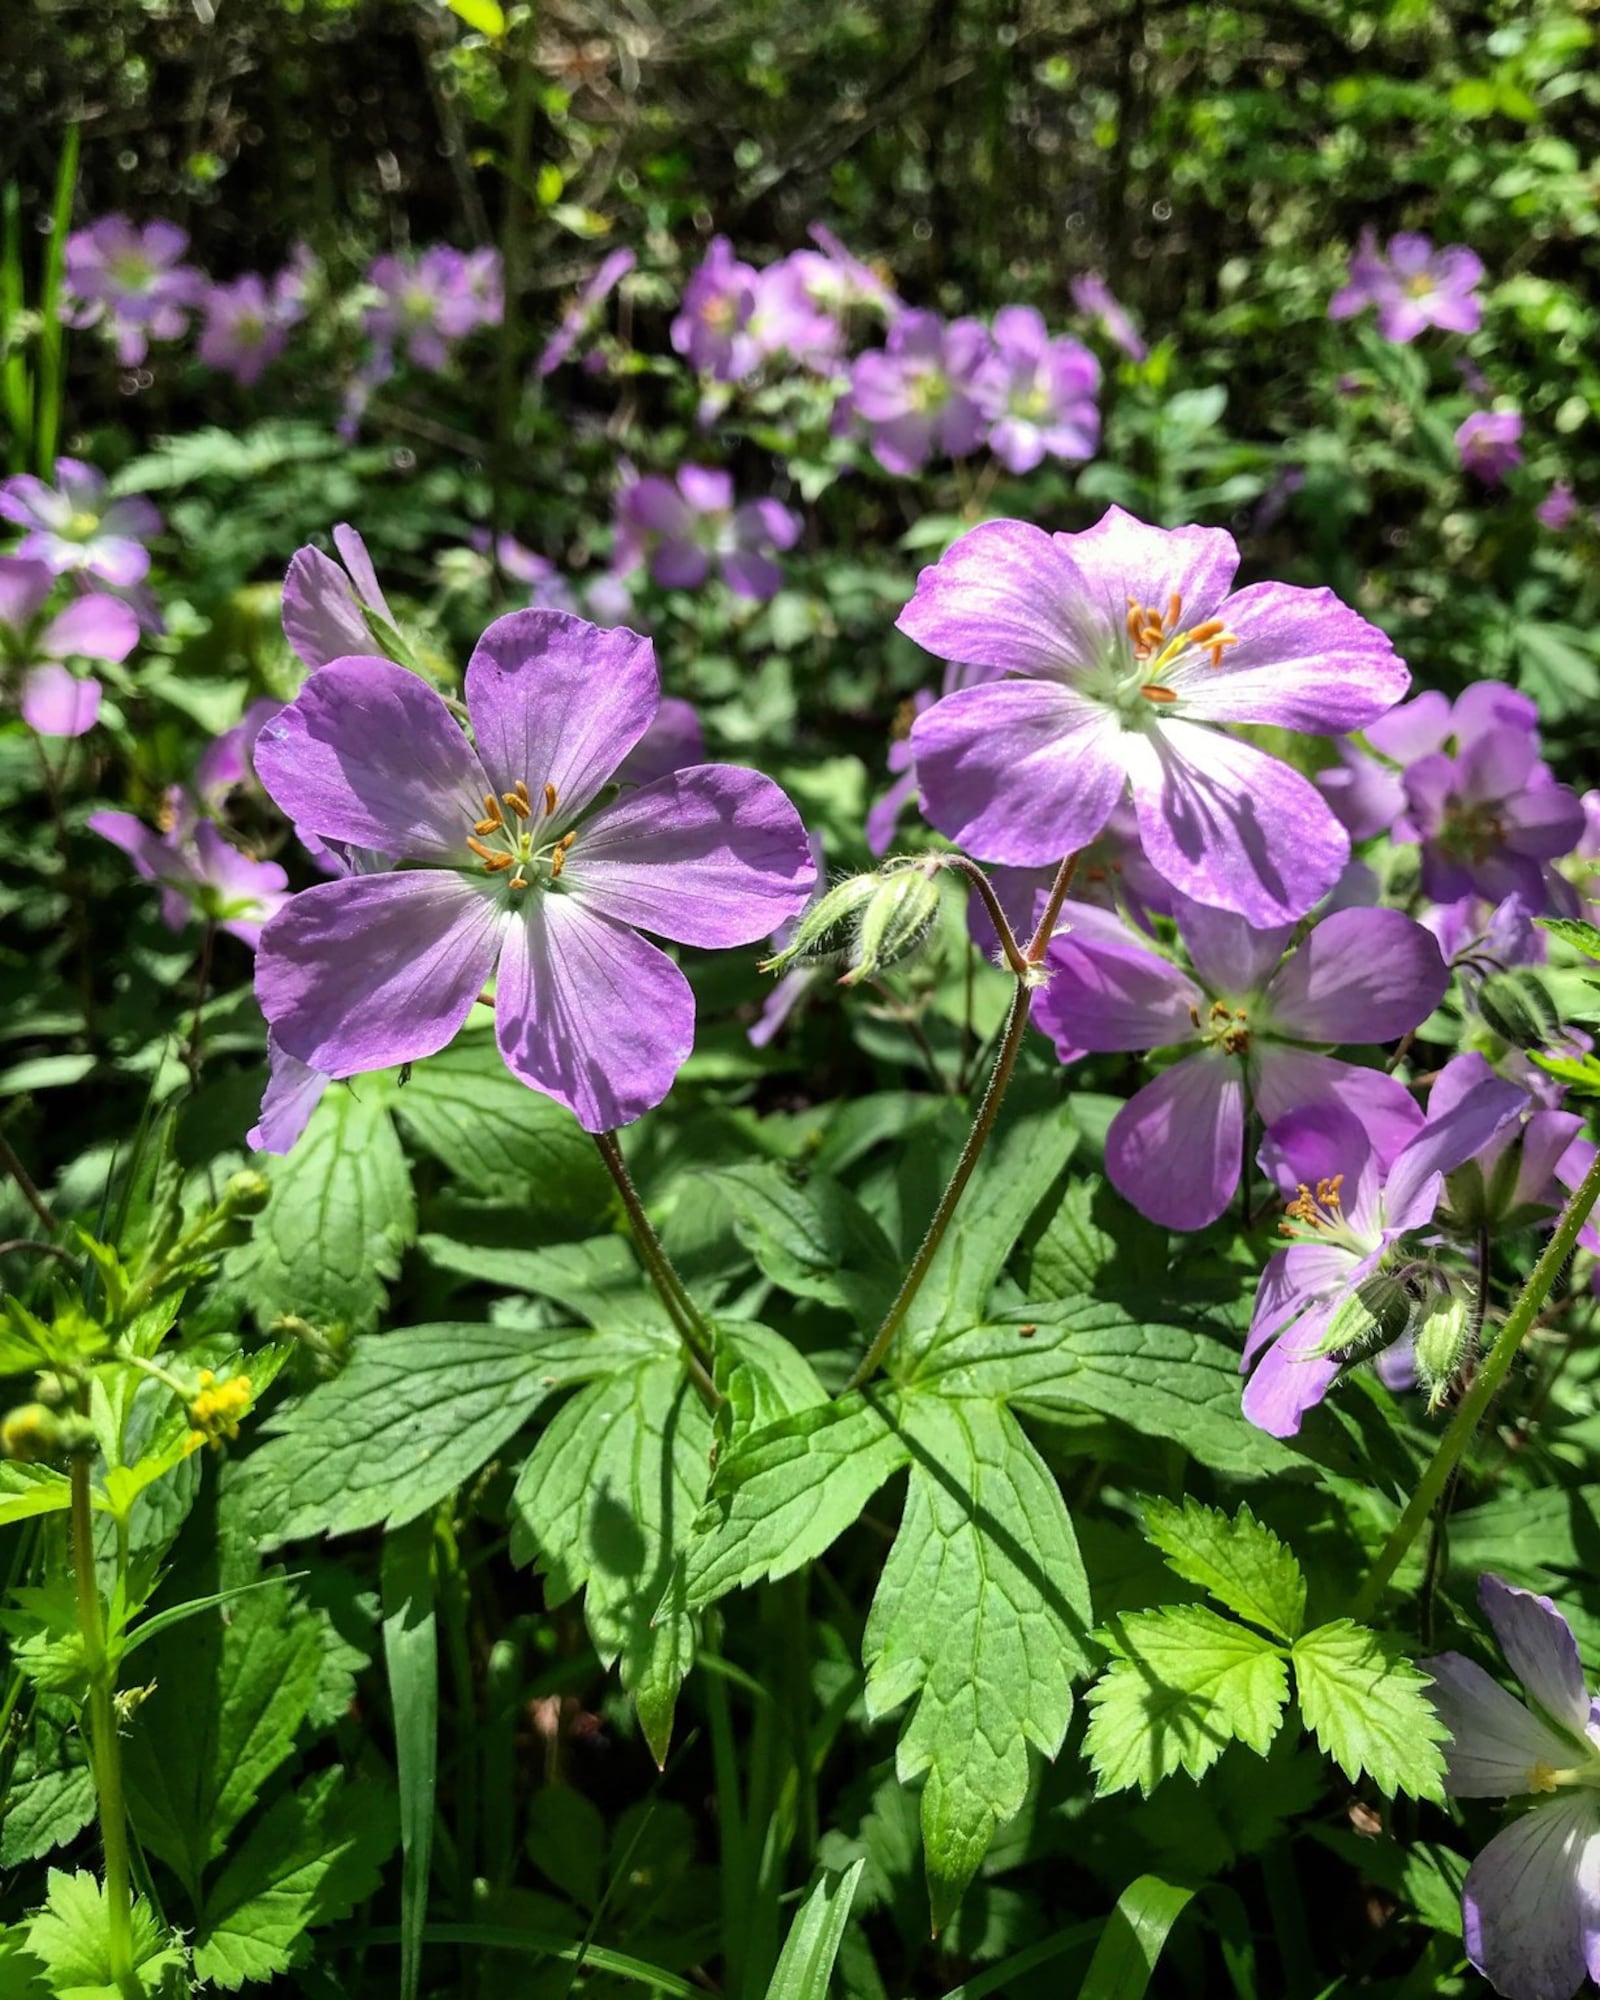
[1202,635]
[549,799]
[491,811]
[1174,609]
[1153,691]
[519,806]
[495,863]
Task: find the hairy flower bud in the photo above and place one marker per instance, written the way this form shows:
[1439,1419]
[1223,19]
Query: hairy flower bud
[1375,1313]
[31,1433]
[818,935]
[896,919]
[247,1192]
[1442,1338]
[1518,1007]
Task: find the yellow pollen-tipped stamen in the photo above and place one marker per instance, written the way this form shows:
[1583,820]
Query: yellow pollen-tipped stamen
[1321,1209]
[1543,1778]
[495,863]
[520,807]
[493,818]
[549,798]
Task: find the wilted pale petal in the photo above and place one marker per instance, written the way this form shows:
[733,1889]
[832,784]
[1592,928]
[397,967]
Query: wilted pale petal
[322,620]
[1304,661]
[293,1092]
[55,702]
[557,701]
[590,1013]
[713,855]
[1122,557]
[1019,771]
[1231,826]
[1108,994]
[1000,597]
[376,969]
[1530,1908]
[368,753]
[1174,1150]
[1540,1650]
[1360,976]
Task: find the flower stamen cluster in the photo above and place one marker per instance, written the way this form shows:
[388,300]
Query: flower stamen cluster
[215,1410]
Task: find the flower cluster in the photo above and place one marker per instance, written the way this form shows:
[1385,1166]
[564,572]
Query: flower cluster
[683,528]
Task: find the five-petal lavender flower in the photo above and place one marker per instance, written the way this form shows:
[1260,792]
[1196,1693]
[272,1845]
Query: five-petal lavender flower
[76,530]
[1252,1026]
[34,647]
[1530,1908]
[1126,654]
[133,280]
[511,876]
[915,395]
[1037,392]
[1413,287]
[681,527]
[1490,444]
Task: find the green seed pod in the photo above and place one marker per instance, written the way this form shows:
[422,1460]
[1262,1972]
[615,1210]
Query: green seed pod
[895,921]
[819,933]
[1372,1315]
[1442,1338]
[1518,1007]
[31,1433]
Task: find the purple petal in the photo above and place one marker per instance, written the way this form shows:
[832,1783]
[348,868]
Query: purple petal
[1291,1378]
[368,753]
[1229,825]
[557,701]
[711,856]
[1304,661]
[1446,1143]
[883,818]
[1020,771]
[1231,954]
[353,554]
[1361,976]
[322,620]
[1288,1080]
[55,702]
[155,859]
[377,969]
[673,741]
[1122,557]
[1174,1150]
[1530,1908]
[1320,1138]
[781,1002]
[1111,994]
[1295,1282]
[95,627]
[24,586]
[1540,1650]
[589,1013]
[1416,729]
[293,1092]
[999,597]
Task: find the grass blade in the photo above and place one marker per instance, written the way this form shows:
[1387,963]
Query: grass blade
[1133,1938]
[411,1656]
[15,381]
[805,1964]
[52,334]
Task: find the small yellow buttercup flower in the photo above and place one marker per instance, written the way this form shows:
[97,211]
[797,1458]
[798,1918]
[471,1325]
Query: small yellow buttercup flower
[216,1409]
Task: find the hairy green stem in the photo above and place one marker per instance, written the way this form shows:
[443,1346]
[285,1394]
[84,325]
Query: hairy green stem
[686,1317]
[1478,1398]
[991,902]
[105,1749]
[983,1123]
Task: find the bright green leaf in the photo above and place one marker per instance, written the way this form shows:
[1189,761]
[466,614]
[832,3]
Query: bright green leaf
[981,1617]
[1369,1709]
[72,1936]
[605,1504]
[44,1813]
[27,1490]
[411,1661]
[1134,1937]
[806,1961]
[1237,1561]
[1184,1684]
[815,1240]
[413,1415]
[484,17]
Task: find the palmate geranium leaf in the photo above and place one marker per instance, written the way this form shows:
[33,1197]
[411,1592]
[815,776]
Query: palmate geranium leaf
[1184,1684]
[413,1415]
[71,1936]
[341,1212]
[815,1240]
[604,1505]
[312,1856]
[1236,1560]
[1369,1709]
[981,1619]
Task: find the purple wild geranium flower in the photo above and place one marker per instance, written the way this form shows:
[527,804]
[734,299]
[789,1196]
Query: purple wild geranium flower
[1490,444]
[132,279]
[789,316]
[74,530]
[1037,394]
[915,395]
[1253,1021]
[431,301]
[1126,655]
[682,527]
[247,323]
[1529,1907]
[709,331]
[511,880]
[584,310]
[35,646]
[1095,299]
[1346,1270]
[327,610]
[201,873]
[1557,510]
[1520,1177]
[1413,287]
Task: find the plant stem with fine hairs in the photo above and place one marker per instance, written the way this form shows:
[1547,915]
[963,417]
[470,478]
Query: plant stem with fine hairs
[105,1750]
[983,1123]
[1470,1413]
[687,1320]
